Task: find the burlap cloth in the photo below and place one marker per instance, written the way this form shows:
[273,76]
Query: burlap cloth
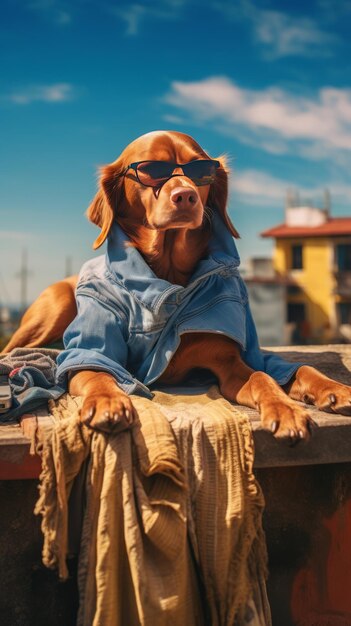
[171,531]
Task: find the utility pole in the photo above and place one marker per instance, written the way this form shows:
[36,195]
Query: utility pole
[68,266]
[23,275]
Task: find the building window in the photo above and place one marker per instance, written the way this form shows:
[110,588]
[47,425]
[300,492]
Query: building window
[344,312]
[296,257]
[301,333]
[294,290]
[343,257]
[296,312]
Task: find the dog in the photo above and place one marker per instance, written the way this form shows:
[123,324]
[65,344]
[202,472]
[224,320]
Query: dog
[163,195]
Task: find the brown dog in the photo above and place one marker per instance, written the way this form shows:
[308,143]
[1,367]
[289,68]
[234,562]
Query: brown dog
[169,223]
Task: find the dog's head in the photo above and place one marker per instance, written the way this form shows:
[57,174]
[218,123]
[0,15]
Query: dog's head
[136,191]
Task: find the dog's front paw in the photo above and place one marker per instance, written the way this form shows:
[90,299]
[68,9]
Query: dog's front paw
[332,397]
[287,421]
[313,387]
[108,413]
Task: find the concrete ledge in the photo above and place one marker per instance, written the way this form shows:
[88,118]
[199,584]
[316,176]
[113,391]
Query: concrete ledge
[17,460]
[331,441]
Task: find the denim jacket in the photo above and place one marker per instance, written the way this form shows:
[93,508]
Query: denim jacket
[129,321]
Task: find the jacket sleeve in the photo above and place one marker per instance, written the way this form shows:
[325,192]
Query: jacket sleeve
[95,340]
[263,360]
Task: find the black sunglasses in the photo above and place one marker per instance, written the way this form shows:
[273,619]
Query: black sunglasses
[156,173]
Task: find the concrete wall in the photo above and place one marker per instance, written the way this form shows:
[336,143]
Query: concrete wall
[307,523]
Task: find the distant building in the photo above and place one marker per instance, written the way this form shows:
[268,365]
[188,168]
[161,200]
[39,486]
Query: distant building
[313,251]
[267,295]
[5,314]
[9,320]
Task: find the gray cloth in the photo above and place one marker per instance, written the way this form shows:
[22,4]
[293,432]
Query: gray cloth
[32,379]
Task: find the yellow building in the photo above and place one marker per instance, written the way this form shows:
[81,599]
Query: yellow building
[313,251]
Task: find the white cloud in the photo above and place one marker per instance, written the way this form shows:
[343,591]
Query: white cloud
[279,33]
[174,119]
[273,119]
[258,188]
[286,36]
[63,17]
[327,8]
[135,13]
[133,16]
[54,10]
[59,92]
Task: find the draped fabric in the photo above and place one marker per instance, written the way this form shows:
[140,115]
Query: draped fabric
[171,530]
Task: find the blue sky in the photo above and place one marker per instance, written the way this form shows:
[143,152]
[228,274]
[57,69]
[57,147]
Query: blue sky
[266,82]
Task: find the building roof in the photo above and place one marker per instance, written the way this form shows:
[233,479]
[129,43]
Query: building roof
[333,227]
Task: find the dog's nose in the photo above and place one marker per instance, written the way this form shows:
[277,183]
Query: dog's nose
[184,197]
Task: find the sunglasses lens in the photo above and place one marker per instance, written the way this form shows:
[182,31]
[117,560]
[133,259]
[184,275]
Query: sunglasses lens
[154,173]
[201,172]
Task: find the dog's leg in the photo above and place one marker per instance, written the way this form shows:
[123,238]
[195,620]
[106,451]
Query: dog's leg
[312,387]
[47,318]
[279,413]
[105,406]
[239,383]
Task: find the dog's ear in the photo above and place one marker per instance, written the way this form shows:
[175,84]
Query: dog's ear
[102,210]
[218,196]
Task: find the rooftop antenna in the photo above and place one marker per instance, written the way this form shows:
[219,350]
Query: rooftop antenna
[327,202]
[290,198]
[289,201]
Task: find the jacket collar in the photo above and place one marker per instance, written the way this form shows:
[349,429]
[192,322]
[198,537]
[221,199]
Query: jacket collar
[128,267]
